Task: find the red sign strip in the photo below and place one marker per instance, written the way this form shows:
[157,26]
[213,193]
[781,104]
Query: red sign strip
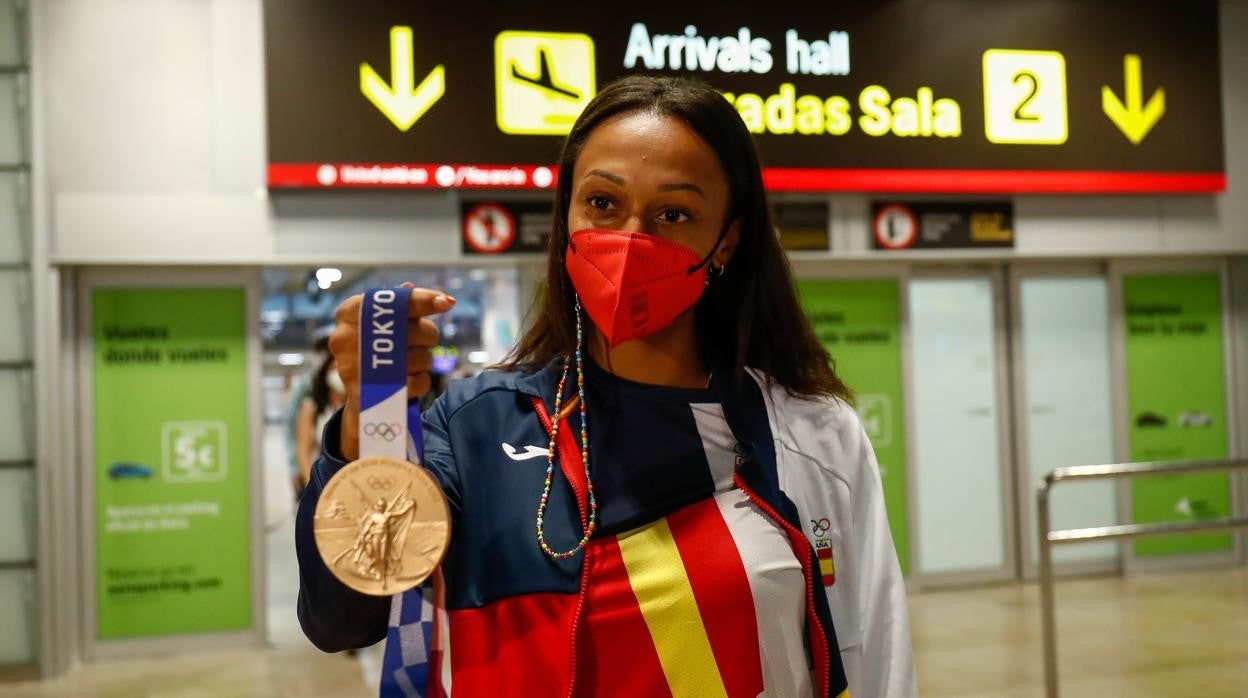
[993,181]
[440,176]
[295,175]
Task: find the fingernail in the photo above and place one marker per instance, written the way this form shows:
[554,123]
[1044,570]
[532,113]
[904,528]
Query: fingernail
[445,302]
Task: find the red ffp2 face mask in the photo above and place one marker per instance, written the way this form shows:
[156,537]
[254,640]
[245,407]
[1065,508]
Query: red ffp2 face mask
[633,284]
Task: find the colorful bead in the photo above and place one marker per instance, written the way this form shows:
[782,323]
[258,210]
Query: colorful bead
[592,524]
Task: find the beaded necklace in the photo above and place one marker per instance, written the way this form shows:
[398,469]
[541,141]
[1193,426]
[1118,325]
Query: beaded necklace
[592,524]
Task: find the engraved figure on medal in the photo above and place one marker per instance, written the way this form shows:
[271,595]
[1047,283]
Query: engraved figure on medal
[389,532]
[377,550]
[335,510]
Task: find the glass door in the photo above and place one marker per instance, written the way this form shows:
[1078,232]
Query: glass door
[1064,404]
[964,526]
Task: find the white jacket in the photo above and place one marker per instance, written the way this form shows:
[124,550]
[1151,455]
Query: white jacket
[827,467]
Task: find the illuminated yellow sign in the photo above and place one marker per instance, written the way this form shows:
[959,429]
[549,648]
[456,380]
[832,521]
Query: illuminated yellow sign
[1025,96]
[922,116]
[401,100]
[543,80]
[1135,119]
[787,112]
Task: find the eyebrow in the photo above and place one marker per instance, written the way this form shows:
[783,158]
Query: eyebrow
[683,186]
[674,186]
[610,177]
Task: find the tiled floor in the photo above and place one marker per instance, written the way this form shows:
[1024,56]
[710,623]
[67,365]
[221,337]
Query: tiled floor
[289,666]
[1153,635]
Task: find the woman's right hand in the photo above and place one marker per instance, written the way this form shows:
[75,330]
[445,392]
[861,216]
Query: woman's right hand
[344,343]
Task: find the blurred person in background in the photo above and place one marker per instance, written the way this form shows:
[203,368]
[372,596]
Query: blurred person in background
[437,385]
[326,394]
[300,390]
[711,520]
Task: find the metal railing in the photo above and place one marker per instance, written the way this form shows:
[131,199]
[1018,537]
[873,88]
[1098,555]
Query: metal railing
[1083,535]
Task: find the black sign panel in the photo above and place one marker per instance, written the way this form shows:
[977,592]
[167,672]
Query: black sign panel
[941,225]
[504,227]
[802,226]
[900,95]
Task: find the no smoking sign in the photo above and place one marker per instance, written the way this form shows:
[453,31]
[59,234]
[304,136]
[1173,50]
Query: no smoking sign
[489,229]
[925,225]
[896,227]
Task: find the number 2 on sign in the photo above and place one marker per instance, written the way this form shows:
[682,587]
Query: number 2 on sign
[1035,87]
[1024,97]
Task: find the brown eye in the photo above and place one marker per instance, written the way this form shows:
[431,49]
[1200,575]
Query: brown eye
[601,203]
[673,215]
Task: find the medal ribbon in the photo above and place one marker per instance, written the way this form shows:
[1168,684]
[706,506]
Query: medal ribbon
[389,425]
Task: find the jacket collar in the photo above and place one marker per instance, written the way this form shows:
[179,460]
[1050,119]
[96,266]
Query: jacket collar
[541,382]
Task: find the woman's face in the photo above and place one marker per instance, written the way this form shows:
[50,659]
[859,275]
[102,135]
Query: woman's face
[650,173]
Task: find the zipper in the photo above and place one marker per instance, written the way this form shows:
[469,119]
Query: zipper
[436,687]
[804,556]
[567,446]
[576,617]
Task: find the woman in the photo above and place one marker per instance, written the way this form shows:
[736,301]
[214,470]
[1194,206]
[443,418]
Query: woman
[709,516]
[326,394]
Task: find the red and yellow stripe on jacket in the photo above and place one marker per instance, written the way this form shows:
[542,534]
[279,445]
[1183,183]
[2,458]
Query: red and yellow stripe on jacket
[671,611]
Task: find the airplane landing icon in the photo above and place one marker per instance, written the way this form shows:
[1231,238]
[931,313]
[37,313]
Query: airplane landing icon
[545,78]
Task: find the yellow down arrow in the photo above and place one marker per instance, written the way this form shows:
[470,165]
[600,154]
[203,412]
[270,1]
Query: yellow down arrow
[1134,119]
[401,101]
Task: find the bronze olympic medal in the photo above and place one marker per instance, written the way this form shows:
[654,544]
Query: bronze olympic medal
[382,525]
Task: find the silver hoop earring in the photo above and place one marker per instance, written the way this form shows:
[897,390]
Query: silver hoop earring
[713,273]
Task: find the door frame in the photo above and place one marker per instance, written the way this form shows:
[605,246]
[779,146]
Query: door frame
[995,273]
[167,277]
[1026,491]
[1236,304]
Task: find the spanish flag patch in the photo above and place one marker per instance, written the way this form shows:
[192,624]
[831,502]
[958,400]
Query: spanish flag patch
[827,566]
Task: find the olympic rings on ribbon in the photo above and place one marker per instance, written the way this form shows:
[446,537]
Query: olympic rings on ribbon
[820,526]
[380,483]
[389,432]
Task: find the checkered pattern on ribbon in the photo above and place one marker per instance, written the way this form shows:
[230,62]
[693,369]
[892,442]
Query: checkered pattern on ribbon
[411,666]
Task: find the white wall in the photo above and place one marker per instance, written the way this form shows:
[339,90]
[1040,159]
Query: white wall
[156,155]
[155,130]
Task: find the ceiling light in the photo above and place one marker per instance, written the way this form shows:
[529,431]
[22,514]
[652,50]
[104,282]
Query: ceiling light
[290,359]
[327,276]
